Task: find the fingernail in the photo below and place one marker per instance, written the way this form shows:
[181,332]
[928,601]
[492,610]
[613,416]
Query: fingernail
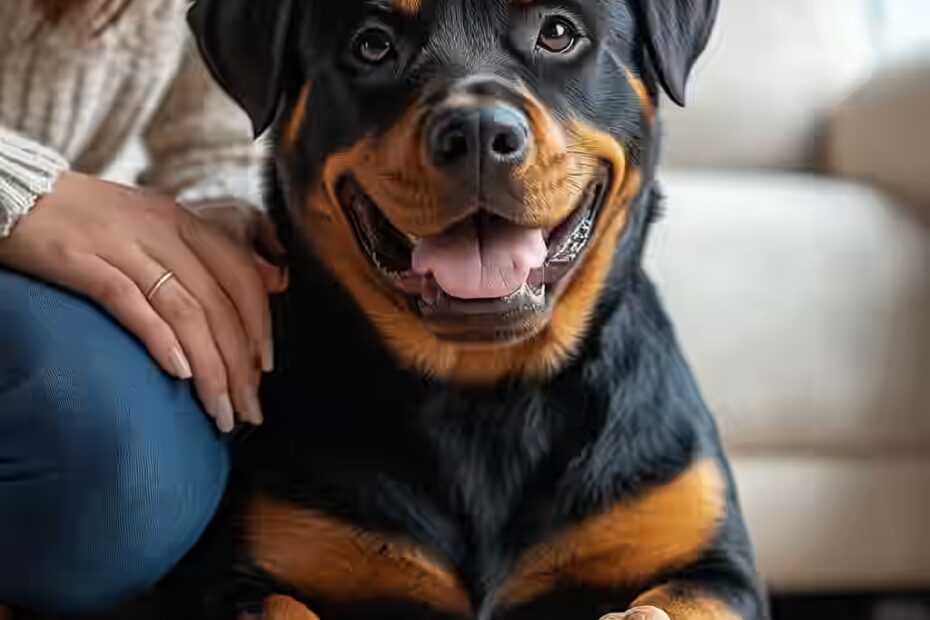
[253,407]
[268,356]
[182,368]
[222,410]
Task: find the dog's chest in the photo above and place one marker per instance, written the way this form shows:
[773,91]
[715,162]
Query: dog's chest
[438,522]
[479,532]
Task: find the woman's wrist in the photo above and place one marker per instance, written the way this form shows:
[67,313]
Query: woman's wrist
[28,171]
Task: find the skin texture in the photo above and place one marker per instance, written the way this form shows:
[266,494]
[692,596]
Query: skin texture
[575,473]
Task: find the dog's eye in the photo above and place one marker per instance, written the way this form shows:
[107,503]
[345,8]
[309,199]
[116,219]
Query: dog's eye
[557,35]
[373,46]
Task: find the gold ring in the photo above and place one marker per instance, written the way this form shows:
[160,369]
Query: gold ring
[160,283]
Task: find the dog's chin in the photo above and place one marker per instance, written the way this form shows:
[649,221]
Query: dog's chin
[482,321]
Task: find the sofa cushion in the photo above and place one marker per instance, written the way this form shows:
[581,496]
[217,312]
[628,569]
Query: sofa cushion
[770,71]
[881,135]
[826,524]
[803,304]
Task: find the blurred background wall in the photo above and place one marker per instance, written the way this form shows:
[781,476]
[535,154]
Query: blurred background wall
[904,27]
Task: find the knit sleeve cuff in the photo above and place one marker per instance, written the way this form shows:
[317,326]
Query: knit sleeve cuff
[28,171]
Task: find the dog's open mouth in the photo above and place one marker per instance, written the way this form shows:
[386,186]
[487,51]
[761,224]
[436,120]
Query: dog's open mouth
[485,279]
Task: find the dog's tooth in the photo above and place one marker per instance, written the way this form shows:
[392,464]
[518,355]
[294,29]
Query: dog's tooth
[536,294]
[523,290]
[430,291]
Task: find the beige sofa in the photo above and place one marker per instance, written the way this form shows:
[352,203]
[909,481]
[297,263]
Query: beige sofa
[795,263]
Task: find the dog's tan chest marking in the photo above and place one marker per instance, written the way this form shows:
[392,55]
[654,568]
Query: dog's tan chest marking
[279,607]
[632,542]
[329,560]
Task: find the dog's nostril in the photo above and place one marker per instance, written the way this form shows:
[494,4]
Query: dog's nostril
[452,138]
[507,143]
[453,144]
[506,130]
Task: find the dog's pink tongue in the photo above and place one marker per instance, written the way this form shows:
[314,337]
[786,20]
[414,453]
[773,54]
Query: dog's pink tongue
[481,260]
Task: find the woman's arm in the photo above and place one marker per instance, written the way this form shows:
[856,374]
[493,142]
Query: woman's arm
[202,151]
[196,299]
[210,322]
[28,171]
[200,144]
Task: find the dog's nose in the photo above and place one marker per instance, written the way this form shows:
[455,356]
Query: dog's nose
[478,139]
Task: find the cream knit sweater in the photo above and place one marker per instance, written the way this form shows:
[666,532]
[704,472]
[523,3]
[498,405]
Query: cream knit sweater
[69,99]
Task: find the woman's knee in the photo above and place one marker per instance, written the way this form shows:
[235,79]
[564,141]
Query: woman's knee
[116,472]
[140,495]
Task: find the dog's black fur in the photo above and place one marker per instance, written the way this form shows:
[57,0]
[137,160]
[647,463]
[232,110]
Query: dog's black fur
[478,474]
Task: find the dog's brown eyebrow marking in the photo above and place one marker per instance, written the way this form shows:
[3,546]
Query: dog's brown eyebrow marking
[410,7]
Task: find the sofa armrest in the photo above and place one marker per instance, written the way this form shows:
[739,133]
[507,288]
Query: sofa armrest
[881,134]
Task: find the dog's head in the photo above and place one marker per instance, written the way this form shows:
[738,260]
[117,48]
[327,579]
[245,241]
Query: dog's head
[465,168]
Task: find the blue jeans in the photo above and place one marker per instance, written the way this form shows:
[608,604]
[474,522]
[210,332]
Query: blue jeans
[109,470]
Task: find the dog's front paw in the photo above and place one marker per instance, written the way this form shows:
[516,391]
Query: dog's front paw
[639,613]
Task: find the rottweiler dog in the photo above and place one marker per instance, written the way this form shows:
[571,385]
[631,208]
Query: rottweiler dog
[482,411]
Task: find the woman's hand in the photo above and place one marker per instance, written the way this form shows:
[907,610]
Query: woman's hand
[209,321]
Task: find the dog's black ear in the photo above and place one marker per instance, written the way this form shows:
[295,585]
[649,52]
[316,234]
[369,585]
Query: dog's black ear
[676,32]
[245,44]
